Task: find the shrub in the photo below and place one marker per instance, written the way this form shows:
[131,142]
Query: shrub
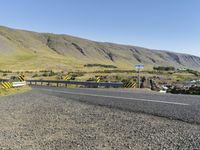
[196,73]
[51,73]
[5,74]
[100,65]
[35,75]
[115,71]
[163,68]
[45,74]
[5,71]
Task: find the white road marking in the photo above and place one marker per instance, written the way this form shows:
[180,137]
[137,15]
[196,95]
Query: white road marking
[117,97]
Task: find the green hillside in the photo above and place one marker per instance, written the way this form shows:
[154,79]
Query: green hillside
[24,50]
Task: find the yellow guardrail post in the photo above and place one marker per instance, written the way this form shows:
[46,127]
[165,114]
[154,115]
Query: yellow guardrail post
[130,84]
[67,78]
[98,79]
[6,85]
[21,77]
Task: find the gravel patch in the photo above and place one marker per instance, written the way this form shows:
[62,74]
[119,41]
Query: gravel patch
[37,121]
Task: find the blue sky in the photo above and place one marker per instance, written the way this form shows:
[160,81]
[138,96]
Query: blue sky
[161,24]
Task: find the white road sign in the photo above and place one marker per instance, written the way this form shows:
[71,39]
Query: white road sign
[139,66]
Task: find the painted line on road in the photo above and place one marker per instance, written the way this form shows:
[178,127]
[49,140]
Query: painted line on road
[116,97]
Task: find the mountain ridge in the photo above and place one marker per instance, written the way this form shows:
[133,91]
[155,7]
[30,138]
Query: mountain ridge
[27,50]
[120,44]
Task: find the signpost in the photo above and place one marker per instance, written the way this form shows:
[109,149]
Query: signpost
[139,67]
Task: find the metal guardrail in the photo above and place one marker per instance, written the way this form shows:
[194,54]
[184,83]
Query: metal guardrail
[18,84]
[5,84]
[86,83]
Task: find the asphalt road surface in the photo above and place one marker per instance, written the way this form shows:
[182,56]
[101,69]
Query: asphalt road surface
[181,107]
[98,119]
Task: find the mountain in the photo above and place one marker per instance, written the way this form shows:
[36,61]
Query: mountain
[24,50]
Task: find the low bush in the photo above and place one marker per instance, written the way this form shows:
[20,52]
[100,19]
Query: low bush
[100,65]
[196,73]
[5,71]
[116,71]
[35,75]
[163,68]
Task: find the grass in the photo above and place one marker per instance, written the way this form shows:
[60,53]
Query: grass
[183,76]
[6,92]
[31,51]
[198,84]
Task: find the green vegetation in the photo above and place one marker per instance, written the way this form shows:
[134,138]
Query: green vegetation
[100,65]
[163,68]
[35,75]
[196,73]
[197,84]
[5,71]
[76,74]
[32,51]
[115,71]
[49,74]
[182,78]
[5,74]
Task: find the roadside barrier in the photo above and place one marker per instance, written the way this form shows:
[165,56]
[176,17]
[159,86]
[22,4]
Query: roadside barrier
[6,85]
[81,83]
[18,84]
[130,84]
[98,79]
[21,77]
[67,77]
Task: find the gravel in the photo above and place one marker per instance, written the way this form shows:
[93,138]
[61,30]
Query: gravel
[37,121]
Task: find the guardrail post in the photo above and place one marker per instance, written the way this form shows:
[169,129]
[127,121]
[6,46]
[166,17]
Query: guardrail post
[65,84]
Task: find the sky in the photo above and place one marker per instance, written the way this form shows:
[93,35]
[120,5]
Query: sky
[157,24]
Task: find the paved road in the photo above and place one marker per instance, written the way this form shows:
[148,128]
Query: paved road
[59,118]
[181,107]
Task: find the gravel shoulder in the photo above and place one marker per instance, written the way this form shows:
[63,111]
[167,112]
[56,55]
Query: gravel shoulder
[35,120]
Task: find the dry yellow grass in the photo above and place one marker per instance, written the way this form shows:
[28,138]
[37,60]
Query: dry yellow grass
[6,92]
